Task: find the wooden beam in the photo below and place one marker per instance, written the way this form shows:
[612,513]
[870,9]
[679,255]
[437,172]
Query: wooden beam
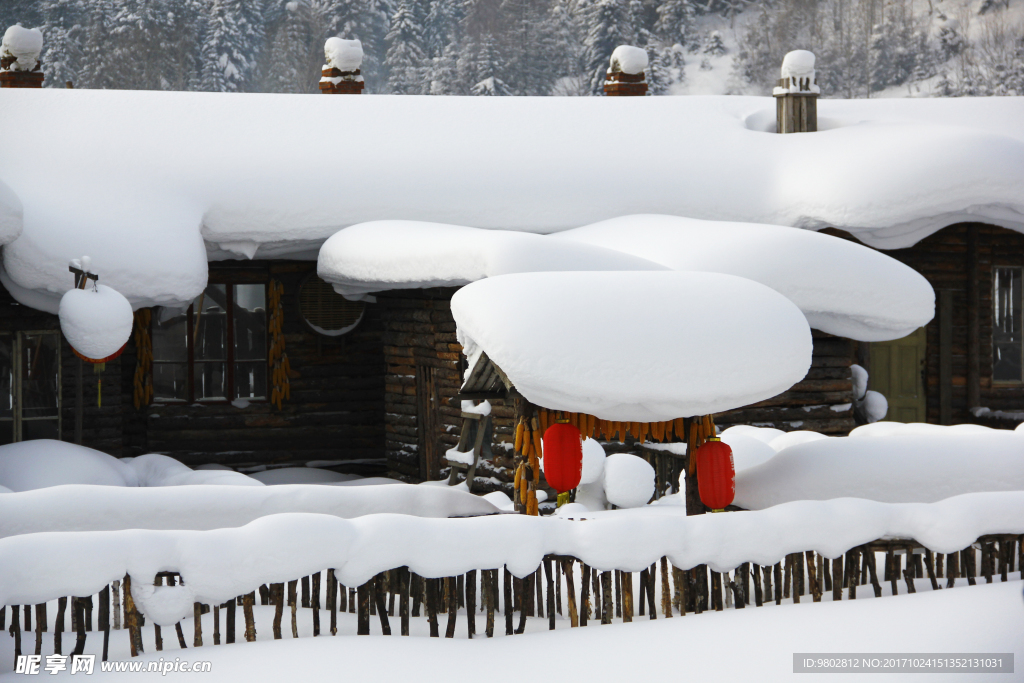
[973,320]
[945,356]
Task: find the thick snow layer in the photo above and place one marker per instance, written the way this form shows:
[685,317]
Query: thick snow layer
[24,44]
[708,343]
[842,287]
[97,321]
[145,176]
[342,54]
[10,214]
[219,564]
[793,438]
[593,461]
[628,59]
[987,619]
[160,470]
[747,451]
[765,434]
[384,255]
[301,475]
[902,466]
[628,480]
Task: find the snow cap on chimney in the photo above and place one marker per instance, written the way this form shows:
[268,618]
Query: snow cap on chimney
[628,59]
[342,54]
[21,47]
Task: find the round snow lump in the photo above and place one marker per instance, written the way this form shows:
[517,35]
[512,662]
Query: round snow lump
[638,346]
[798,64]
[593,461]
[628,480]
[96,321]
[342,54]
[629,59]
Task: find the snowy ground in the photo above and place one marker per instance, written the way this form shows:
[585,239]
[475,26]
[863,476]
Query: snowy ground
[753,644]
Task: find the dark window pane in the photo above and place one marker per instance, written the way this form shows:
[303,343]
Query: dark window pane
[210,380]
[250,322]
[6,432]
[170,336]
[211,328]
[39,370]
[1007,330]
[6,380]
[170,381]
[38,429]
[251,379]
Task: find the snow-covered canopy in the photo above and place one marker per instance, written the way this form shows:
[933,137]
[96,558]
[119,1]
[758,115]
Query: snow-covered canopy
[643,346]
[152,184]
[842,287]
[371,257]
[24,45]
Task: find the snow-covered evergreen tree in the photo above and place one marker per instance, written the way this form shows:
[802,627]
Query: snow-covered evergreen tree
[406,59]
[232,37]
[609,24]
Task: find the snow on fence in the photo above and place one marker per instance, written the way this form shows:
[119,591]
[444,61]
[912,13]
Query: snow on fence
[516,563]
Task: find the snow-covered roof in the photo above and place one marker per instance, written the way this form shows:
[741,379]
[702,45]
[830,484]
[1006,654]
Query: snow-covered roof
[635,346]
[148,182]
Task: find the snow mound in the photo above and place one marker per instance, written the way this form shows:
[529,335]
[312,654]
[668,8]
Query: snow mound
[301,475]
[549,333]
[921,429]
[747,451]
[164,605]
[793,438]
[342,54]
[385,255]
[593,461]
[628,480]
[765,434]
[11,214]
[154,469]
[24,45]
[898,467]
[860,381]
[875,406]
[43,463]
[798,64]
[628,59]
[843,288]
[97,321]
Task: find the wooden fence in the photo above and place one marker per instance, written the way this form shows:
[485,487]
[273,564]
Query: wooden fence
[505,602]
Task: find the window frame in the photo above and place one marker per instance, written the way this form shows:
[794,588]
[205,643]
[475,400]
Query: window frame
[17,419]
[992,339]
[229,344]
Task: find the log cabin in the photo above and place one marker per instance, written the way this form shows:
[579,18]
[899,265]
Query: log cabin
[256,361]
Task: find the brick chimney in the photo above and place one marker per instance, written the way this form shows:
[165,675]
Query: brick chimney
[19,58]
[340,74]
[625,75]
[796,95]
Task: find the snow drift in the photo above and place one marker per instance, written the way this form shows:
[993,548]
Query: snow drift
[843,288]
[704,342]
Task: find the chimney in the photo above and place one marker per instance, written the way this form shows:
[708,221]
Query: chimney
[340,75]
[796,95]
[625,75]
[19,58]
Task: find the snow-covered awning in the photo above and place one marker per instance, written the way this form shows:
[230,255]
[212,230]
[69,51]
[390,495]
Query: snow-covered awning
[152,184]
[637,346]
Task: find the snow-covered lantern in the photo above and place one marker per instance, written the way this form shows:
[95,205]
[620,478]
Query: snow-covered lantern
[796,95]
[625,75]
[97,321]
[716,474]
[340,73]
[563,458]
[19,58]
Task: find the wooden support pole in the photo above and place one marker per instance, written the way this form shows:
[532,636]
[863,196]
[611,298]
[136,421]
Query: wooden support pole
[216,624]
[293,606]
[644,574]
[58,626]
[910,580]
[332,601]
[363,625]
[869,553]
[606,595]
[549,575]
[378,596]
[508,601]
[758,594]
[930,566]
[248,600]
[40,623]
[489,589]
[403,599]
[952,569]
[570,592]
[314,603]
[131,618]
[79,607]
[853,574]
[305,592]
[812,576]
[450,586]
[277,599]
[969,563]
[524,593]
[16,629]
[470,603]
[584,610]
[666,591]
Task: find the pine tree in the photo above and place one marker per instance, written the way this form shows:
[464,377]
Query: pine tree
[232,35]
[406,61]
[609,24]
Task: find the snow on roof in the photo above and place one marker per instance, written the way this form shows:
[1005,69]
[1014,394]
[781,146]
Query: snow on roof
[139,179]
[636,346]
[842,287]
[24,45]
[10,214]
[371,257]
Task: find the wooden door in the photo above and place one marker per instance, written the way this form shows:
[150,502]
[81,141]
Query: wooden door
[428,422]
[897,372]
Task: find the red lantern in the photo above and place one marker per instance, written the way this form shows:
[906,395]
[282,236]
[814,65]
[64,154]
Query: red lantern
[563,456]
[716,474]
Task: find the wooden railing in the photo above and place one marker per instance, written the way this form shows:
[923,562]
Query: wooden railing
[561,585]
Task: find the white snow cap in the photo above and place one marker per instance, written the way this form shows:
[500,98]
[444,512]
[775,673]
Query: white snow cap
[703,342]
[747,451]
[629,59]
[798,64]
[593,461]
[382,255]
[842,287]
[876,406]
[24,44]
[628,480]
[342,54]
[97,321]
[860,381]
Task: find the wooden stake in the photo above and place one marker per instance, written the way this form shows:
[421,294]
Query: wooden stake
[570,592]
[363,620]
[58,626]
[666,592]
[332,600]
[293,605]
[78,604]
[929,565]
[403,599]
[491,599]
[378,596]
[250,623]
[305,591]
[277,598]
[197,622]
[16,630]
[584,592]
[549,575]
[470,584]
[40,623]
[216,624]
[606,597]
[812,576]
[910,580]
[527,590]
[433,589]
[508,601]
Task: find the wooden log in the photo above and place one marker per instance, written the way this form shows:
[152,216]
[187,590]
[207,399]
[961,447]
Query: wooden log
[433,588]
[404,583]
[597,599]
[314,603]
[853,578]
[305,592]
[939,565]
[416,592]
[248,601]
[969,564]
[788,579]
[277,599]
[524,594]
[78,604]
[264,591]
[666,594]
[987,554]
[826,573]
[952,569]
[644,574]
[777,576]
[197,624]
[626,579]
[230,621]
[538,589]
[363,620]
[570,592]
[758,594]
[930,566]
[550,590]
[332,600]
[379,588]
[492,600]
[679,589]
[812,576]
[606,597]
[470,591]
[16,629]
[584,609]
[508,601]
[745,585]
[293,606]
[910,580]
[342,597]
[40,623]
[618,593]
[717,602]
[58,626]
[216,624]
[869,553]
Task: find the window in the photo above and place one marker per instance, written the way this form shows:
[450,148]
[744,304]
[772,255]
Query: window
[214,350]
[29,386]
[1007,326]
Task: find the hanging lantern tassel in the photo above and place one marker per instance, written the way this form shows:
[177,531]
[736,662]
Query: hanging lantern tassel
[563,458]
[716,474]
